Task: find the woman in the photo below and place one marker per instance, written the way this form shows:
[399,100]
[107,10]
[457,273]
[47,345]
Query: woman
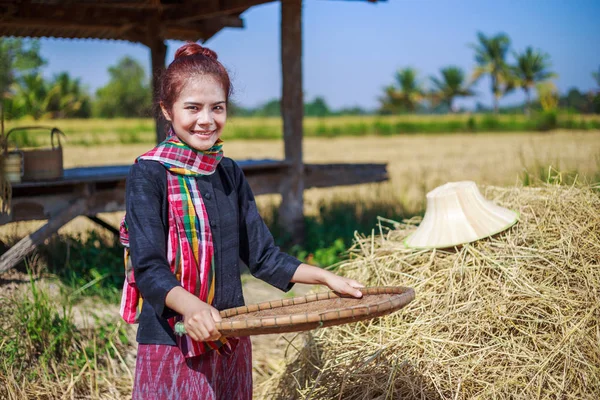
[190,218]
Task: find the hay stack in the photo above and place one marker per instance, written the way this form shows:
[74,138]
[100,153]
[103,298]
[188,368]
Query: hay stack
[512,317]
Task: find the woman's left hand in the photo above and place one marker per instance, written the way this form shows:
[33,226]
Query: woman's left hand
[343,285]
[314,275]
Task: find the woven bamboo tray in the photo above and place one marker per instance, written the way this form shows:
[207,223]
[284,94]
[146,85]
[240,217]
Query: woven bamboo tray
[310,312]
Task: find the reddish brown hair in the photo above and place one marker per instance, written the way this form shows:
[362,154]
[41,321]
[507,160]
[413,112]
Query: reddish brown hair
[191,60]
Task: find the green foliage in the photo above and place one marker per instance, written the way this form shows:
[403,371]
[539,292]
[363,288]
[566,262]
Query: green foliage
[41,342]
[532,68]
[127,94]
[271,108]
[17,57]
[91,265]
[490,55]
[329,233]
[451,85]
[405,95]
[37,330]
[317,108]
[547,121]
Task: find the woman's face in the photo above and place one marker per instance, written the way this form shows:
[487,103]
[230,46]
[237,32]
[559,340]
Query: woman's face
[199,113]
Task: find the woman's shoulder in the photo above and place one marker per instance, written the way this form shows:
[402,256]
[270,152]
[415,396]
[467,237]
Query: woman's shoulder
[147,170]
[231,167]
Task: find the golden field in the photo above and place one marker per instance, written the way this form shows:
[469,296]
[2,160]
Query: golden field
[416,163]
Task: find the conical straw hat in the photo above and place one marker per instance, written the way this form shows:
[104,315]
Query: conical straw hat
[456,214]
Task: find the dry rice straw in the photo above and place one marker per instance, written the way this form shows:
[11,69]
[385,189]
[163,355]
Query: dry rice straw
[516,316]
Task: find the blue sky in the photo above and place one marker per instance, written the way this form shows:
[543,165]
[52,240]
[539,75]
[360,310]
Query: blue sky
[352,48]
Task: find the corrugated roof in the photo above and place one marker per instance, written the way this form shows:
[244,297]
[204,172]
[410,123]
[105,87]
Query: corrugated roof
[131,20]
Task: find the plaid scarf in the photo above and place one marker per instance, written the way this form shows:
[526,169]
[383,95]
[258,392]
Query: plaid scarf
[190,250]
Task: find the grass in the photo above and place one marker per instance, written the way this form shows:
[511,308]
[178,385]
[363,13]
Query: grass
[43,354]
[92,132]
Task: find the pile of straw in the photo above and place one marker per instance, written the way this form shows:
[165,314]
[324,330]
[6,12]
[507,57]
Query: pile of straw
[516,316]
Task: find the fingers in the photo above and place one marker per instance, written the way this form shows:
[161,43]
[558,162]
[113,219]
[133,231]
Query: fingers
[353,291]
[201,327]
[355,284]
[215,314]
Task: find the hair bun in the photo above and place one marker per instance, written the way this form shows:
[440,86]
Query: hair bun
[191,49]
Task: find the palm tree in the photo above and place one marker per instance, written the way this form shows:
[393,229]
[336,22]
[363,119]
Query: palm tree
[451,85]
[531,69]
[67,97]
[490,54]
[34,94]
[406,95]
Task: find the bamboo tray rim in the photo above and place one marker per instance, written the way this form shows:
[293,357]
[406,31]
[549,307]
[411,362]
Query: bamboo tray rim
[399,297]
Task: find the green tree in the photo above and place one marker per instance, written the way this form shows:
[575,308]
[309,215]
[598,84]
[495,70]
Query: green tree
[450,86]
[490,55]
[271,108]
[33,95]
[317,108]
[68,98]
[128,92]
[405,95]
[532,68]
[17,57]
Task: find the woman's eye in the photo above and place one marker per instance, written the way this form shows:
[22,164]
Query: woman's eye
[193,108]
[219,108]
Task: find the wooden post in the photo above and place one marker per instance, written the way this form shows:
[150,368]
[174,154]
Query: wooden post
[158,53]
[291,210]
[26,245]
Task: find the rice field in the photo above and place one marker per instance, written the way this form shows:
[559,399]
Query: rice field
[416,164]
[92,132]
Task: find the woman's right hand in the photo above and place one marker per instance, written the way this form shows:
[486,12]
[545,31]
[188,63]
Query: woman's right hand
[199,320]
[198,317]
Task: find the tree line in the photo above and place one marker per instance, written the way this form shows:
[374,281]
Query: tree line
[529,70]
[24,91]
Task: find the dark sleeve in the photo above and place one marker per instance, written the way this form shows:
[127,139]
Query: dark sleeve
[257,247]
[145,199]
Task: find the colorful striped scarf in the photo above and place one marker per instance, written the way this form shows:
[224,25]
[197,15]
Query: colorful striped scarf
[190,250]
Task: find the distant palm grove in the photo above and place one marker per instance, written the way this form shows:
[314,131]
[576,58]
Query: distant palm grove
[26,93]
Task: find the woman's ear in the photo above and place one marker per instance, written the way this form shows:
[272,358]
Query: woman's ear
[165,112]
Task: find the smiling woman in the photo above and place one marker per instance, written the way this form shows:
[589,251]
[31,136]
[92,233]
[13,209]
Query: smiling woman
[194,93]
[191,217]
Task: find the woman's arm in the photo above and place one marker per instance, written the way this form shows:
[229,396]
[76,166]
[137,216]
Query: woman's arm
[318,276]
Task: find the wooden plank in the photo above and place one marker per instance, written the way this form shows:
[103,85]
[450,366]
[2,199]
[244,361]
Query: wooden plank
[105,225]
[263,177]
[292,188]
[328,175]
[26,245]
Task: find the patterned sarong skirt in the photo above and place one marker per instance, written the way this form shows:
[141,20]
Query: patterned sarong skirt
[161,372]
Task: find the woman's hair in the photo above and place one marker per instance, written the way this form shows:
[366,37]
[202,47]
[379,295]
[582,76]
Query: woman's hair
[191,60]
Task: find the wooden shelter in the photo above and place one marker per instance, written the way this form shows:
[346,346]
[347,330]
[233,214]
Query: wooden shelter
[151,22]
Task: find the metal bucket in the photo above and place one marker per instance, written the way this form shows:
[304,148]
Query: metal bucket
[13,166]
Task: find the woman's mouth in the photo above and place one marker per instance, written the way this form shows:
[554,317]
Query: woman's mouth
[202,133]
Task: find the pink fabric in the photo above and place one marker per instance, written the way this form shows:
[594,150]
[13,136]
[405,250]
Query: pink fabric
[163,373]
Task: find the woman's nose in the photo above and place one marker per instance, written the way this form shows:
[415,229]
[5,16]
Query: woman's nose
[204,117]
